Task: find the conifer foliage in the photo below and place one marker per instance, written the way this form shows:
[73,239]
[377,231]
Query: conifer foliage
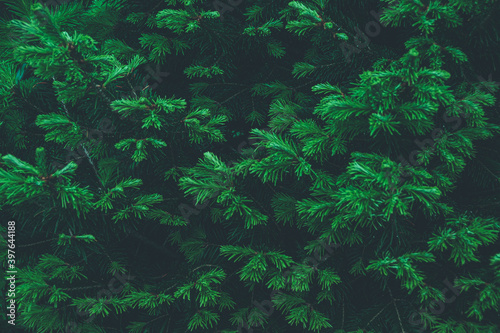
[251,165]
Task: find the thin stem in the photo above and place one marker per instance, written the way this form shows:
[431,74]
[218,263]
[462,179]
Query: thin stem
[33,244]
[83,288]
[206,265]
[228,99]
[397,311]
[368,324]
[82,146]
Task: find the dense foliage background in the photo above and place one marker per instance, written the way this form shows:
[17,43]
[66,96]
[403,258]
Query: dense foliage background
[251,165]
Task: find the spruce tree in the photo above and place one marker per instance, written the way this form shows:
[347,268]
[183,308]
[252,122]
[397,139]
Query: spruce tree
[250,166]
